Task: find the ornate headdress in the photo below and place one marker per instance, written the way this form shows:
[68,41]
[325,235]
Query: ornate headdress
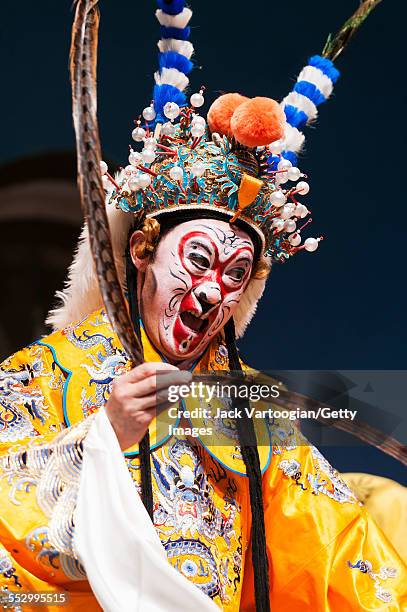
[241,164]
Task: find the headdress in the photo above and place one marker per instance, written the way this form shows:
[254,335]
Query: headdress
[241,164]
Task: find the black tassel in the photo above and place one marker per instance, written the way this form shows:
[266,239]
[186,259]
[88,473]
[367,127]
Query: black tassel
[144,446]
[248,445]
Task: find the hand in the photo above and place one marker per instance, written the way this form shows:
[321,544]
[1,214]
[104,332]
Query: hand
[138,396]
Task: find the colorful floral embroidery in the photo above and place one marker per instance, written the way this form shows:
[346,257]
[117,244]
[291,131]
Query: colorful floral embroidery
[105,365]
[324,479]
[187,507]
[327,480]
[284,436]
[291,468]
[21,402]
[384,573]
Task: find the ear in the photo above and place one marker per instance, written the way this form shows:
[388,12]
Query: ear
[137,242]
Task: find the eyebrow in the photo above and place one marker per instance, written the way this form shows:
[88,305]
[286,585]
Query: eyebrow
[242,258]
[201,244]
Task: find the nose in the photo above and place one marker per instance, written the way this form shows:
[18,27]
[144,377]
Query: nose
[208,293]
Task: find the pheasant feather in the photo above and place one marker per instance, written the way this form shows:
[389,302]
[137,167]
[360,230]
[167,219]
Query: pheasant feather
[336,44]
[83,61]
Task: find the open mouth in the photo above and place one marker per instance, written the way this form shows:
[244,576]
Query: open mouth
[196,324]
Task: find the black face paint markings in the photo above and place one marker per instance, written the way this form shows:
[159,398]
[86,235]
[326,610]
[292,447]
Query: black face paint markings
[180,279]
[229,240]
[173,302]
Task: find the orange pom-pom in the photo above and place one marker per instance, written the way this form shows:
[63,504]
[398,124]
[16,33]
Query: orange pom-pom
[258,122]
[221,111]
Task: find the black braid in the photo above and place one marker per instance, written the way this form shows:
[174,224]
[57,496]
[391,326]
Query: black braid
[144,446]
[248,445]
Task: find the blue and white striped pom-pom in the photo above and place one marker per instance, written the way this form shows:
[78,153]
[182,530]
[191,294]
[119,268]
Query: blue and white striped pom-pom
[313,87]
[174,57]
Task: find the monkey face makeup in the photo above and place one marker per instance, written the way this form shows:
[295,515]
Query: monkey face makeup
[193,285]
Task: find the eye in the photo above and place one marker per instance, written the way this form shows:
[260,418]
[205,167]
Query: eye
[199,260]
[236,273]
[198,255]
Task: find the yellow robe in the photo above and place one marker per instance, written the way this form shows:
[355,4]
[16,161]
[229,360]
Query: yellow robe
[325,552]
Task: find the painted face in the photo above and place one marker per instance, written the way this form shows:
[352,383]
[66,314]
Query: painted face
[194,285]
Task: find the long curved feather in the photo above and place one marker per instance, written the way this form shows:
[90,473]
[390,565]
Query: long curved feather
[360,429]
[293,401]
[83,61]
[336,44]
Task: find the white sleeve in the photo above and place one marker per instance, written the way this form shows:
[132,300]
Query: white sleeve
[115,540]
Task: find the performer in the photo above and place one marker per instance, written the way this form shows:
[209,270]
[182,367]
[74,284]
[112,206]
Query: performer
[196,219]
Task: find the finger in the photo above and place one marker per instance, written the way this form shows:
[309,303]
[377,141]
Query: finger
[161,406]
[164,407]
[161,412]
[169,381]
[143,370]
[154,400]
[149,369]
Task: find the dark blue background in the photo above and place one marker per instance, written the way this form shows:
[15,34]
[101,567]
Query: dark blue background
[340,308]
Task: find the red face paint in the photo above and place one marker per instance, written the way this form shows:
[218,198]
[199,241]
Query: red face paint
[201,274]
